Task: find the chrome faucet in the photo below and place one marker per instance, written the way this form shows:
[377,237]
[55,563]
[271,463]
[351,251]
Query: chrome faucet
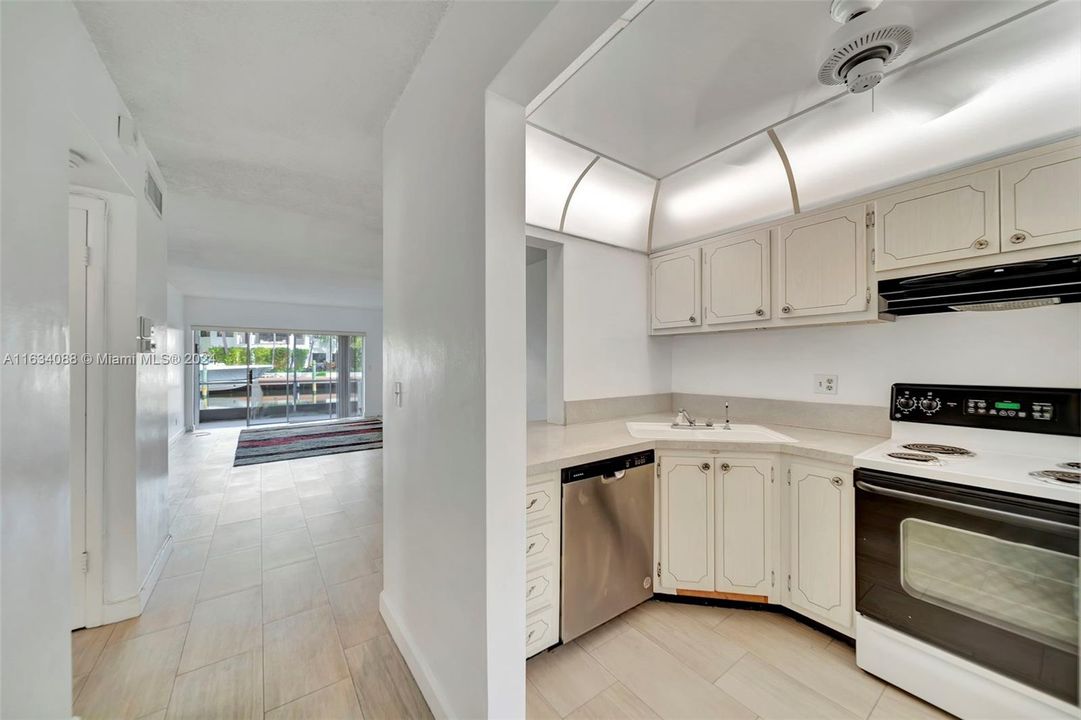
[727,425]
[684,420]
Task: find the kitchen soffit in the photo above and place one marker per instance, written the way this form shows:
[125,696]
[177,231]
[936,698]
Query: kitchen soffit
[685,79]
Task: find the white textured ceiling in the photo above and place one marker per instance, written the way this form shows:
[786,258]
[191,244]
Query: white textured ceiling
[685,79]
[266,119]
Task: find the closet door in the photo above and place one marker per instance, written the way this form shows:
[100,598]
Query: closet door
[1040,201]
[676,289]
[736,279]
[822,263]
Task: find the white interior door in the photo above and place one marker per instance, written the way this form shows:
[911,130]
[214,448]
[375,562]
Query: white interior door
[86,305]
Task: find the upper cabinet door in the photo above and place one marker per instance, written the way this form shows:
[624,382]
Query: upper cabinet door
[676,290]
[1041,200]
[736,279]
[745,526]
[948,220]
[686,527]
[822,263]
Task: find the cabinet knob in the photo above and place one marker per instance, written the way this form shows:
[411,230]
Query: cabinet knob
[1018,238]
[759,312]
[838,482]
[704,467]
[786,309]
[725,467]
[531,504]
[690,319]
[980,244]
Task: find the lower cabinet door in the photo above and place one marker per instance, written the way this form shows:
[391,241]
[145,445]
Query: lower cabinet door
[821,555]
[686,523]
[745,526]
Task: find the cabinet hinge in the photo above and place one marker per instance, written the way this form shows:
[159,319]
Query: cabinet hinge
[771,475]
[872,257]
[84,562]
[789,476]
[658,469]
[658,571]
[772,578]
[871,219]
[86,256]
[789,582]
[868,294]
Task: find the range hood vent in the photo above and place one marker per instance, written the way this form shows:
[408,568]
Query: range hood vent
[1035,283]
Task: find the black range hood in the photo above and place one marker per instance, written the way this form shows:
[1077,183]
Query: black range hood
[1032,283]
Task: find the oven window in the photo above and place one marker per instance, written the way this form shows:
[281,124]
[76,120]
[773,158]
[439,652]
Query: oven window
[1020,588]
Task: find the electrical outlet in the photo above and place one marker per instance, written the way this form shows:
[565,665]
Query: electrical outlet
[826,384]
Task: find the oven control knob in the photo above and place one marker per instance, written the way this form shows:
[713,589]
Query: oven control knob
[905,403]
[929,404]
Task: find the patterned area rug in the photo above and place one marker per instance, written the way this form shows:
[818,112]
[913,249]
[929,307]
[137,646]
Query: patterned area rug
[287,443]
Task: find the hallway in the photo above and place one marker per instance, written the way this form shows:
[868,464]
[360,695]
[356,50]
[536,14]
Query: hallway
[268,603]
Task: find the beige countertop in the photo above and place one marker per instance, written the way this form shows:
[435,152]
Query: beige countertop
[554,447]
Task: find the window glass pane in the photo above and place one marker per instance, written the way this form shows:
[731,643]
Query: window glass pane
[552,166]
[1014,87]
[612,205]
[1021,588]
[741,186]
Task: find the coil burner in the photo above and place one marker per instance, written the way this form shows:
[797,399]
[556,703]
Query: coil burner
[934,449]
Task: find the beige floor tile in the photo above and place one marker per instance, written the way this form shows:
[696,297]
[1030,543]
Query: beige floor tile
[189,527]
[282,497]
[384,685]
[536,707]
[307,488]
[682,634]
[231,688]
[132,678]
[287,547]
[201,505]
[235,536]
[598,636]
[774,695]
[301,654]
[336,702]
[567,677]
[77,687]
[86,647]
[223,627]
[292,589]
[350,491]
[365,512]
[169,605]
[356,609]
[896,704]
[239,510]
[615,702]
[159,715]
[313,505]
[281,519]
[765,631]
[273,470]
[669,688]
[372,535]
[331,528]
[186,558]
[229,573]
[345,560]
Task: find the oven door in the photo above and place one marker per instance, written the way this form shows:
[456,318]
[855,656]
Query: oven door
[988,576]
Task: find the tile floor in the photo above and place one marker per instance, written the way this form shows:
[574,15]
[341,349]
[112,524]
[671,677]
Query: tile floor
[267,606]
[667,660]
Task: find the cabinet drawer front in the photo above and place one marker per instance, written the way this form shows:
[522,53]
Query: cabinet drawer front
[541,502]
[539,542]
[943,221]
[541,631]
[1040,201]
[540,586]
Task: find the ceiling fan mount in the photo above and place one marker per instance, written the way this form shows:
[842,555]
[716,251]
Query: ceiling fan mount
[868,40]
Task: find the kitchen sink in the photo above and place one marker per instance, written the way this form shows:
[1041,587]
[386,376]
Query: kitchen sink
[718,433]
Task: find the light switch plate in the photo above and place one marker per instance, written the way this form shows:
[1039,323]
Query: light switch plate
[826,384]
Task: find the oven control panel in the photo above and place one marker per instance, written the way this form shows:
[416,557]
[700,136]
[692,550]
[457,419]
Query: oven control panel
[1055,411]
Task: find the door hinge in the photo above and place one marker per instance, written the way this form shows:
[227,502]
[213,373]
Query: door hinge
[86,256]
[658,571]
[789,582]
[84,563]
[871,219]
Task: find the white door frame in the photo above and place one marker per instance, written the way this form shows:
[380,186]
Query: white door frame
[86,297]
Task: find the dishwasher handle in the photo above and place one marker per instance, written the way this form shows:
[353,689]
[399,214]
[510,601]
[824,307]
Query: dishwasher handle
[609,478]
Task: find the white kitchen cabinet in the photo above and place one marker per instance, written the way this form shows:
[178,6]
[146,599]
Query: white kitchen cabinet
[1041,200]
[822,263]
[820,574]
[949,220]
[543,512]
[735,279]
[745,525]
[686,539]
[676,289]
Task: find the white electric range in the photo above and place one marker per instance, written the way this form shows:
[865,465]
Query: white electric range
[967,550]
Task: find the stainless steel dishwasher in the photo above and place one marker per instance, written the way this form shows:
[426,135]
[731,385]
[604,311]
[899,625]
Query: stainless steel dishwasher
[607,540]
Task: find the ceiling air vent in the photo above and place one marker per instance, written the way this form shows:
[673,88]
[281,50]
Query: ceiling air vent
[153,193]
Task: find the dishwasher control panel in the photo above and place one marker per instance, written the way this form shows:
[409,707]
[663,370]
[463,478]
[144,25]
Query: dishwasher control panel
[608,467]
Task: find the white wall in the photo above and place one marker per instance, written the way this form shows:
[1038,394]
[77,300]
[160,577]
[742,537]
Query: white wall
[229,313]
[1035,347]
[54,82]
[536,324]
[175,343]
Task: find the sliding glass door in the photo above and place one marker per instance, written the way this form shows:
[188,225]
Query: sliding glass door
[276,376]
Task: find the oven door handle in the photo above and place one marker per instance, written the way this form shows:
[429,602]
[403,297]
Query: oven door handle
[990,513]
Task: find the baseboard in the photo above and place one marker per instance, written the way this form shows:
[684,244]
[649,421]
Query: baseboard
[113,612]
[421,672]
